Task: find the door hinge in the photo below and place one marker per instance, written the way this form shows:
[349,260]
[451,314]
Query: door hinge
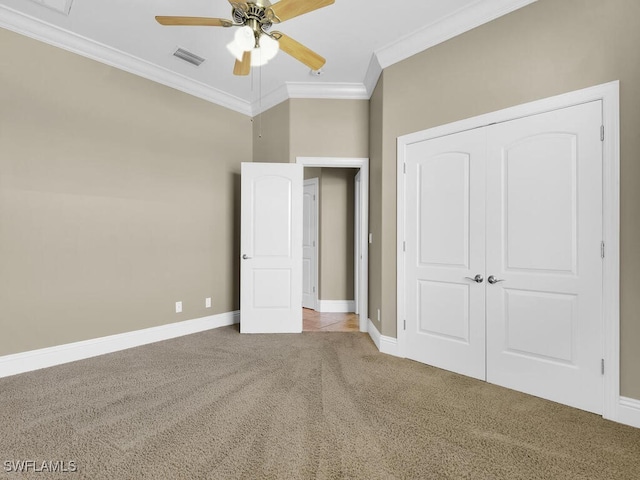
[404,246]
[404,167]
[405,324]
[314,243]
[602,249]
[314,198]
[314,289]
[602,366]
[602,133]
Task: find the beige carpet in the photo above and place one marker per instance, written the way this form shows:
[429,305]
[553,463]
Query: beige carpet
[222,405]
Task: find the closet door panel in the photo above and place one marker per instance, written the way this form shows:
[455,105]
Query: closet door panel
[444,208]
[544,228]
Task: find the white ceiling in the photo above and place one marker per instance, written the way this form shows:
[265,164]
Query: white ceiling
[357,37]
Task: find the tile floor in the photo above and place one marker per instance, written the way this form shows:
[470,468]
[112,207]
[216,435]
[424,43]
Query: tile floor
[313,321]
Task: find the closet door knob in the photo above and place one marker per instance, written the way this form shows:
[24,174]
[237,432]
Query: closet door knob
[493,280]
[478,278]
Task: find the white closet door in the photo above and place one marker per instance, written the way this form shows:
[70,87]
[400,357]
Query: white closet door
[445,207]
[544,232]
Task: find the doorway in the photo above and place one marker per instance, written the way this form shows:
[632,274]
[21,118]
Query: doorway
[329,249]
[360,233]
[271,244]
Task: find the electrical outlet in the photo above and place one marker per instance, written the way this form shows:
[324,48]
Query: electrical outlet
[378,314]
[207,302]
[178,307]
[371,238]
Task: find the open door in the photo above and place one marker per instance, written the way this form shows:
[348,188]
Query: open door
[271,248]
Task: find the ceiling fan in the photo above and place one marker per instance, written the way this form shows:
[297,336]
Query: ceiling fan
[254,44]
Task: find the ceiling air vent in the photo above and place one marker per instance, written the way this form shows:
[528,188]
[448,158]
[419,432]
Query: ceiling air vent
[188,57]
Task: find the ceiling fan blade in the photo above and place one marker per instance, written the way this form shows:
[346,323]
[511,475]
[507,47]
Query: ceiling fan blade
[286,9]
[243,67]
[298,51]
[194,21]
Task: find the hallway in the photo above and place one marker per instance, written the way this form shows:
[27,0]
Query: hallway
[313,321]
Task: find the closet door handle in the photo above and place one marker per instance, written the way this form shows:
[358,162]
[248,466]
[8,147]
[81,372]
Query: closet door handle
[478,278]
[493,280]
[246,257]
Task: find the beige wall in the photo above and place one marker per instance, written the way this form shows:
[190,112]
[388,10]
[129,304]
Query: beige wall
[312,172]
[544,49]
[336,233]
[311,128]
[118,197]
[329,128]
[271,134]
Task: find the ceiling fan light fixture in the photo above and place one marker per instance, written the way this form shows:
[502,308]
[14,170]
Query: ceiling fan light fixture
[268,46]
[243,41]
[268,49]
[244,38]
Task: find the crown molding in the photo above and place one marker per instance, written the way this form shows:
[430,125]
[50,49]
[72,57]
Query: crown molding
[336,91]
[373,75]
[462,21]
[53,35]
[340,91]
[270,100]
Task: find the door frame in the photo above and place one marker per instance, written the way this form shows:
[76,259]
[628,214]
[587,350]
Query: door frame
[315,182]
[363,271]
[614,407]
[356,238]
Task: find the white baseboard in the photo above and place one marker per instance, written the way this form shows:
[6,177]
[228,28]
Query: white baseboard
[70,352]
[388,345]
[629,412]
[336,306]
[373,333]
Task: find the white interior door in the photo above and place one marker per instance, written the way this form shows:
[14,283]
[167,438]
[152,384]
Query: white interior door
[544,233]
[310,244]
[445,234]
[271,248]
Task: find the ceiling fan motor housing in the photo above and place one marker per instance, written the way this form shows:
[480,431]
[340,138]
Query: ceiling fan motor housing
[253,15]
